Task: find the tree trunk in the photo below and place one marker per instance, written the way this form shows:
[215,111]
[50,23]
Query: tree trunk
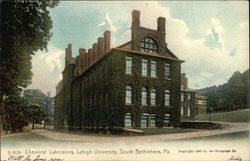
[33,125]
[1,113]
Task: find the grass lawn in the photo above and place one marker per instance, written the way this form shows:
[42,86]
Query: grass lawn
[147,131]
[155,131]
[231,136]
[232,116]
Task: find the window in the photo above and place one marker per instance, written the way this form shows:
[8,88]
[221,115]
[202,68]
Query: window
[144,121]
[144,96]
[153,96]
[152,120]
[128,120]
[189,111]
[182,96]
[144,67]
[189,96]
[128,65]
[153,69]
[167,120]
[182,110]
[167,98]
[167,70]
[149,45]
[128,99]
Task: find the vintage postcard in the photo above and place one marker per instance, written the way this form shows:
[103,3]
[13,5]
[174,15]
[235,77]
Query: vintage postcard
[125,80]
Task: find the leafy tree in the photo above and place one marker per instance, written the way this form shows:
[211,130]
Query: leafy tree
[25,29]
[231,95]
[35,110]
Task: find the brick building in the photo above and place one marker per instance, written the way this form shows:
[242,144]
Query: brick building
[187,99]
[192,103]
[137,84]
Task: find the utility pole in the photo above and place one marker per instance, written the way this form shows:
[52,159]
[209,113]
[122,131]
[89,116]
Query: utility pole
[209,116]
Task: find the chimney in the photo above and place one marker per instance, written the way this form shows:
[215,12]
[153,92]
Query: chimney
[82,59]
[161,24]
[86,64]
[100,46]
[76,66]
[90,51]
[68,52]
[106,41]
[135,18]
[186,84]
[95,52]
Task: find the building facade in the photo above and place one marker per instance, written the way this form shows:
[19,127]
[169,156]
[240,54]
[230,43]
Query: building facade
[200,104]
[188,98]
[137,84]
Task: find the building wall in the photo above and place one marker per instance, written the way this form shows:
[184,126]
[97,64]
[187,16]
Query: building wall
[137,82]
[200,104]
[94,87]
[185,103]
[59,111]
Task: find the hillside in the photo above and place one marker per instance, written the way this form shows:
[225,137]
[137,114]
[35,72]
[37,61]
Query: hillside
[232,116]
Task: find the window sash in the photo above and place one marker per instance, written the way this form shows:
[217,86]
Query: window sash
[167,99]
[144,67]
[128,99]
[153,69]
[167,70]
[144,98]
[128,121]
[182,110]
[189,111]
[152,121]
[153,98]
[144,121]
[128,65]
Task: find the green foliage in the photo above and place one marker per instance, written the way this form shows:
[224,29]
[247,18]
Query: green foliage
[232,116]
[25,29]
[32,107]
[110,111]
[35,110]
[231,95]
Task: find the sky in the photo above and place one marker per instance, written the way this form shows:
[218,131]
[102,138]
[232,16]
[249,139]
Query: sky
[211,36]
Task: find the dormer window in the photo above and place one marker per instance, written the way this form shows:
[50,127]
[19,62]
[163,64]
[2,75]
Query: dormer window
[149,45]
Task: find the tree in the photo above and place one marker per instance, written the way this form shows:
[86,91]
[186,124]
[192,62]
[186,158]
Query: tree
[35,109]
[231,95]
[25,29]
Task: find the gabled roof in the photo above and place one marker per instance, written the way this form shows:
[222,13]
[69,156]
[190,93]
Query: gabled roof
[150,54]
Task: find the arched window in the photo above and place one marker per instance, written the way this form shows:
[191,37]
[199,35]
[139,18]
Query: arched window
[144,96]
[128,99]
[149,45]
[166,98]
[153,96]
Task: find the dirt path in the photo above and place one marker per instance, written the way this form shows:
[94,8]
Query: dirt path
[229,128]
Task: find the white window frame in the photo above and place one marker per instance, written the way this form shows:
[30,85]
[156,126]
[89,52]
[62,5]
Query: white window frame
[144,69]
[152,121]
[128,120]
[182,110]
[189,111]
[153,97]
[166,120]
[189,96]
[144,96]
[128,97]
[182,96]
[167,67]
[144,121]
[153,69]
[167,98]
[129,65]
